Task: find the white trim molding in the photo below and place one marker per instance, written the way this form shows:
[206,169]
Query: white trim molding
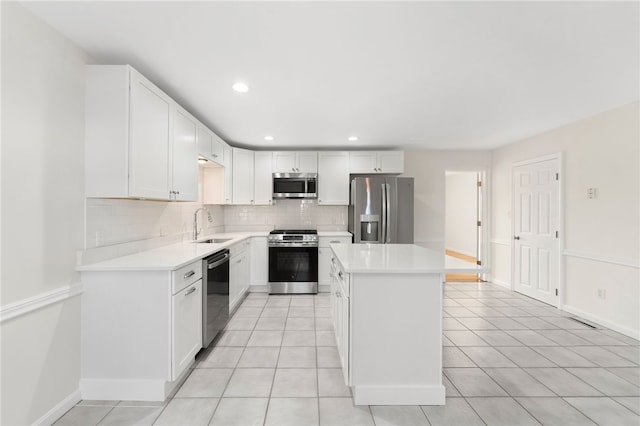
[59,409]
[31,304]
[635,334]
[501,242]
[631,263]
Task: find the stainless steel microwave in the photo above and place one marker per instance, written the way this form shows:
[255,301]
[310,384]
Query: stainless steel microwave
[295,185]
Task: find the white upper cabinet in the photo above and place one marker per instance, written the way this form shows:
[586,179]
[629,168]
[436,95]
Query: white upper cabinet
[210,145]
[263,178]
[333,178]
[372,162]
[295,162]
[149,140]
[217,180]
[184,170]
[137,144]
[205,142]
[243,176]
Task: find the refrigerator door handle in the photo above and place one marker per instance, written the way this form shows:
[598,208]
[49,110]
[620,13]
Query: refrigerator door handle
[383,234]
[387,199]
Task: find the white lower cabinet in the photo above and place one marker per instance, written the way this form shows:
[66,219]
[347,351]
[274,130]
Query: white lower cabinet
[140,331]
[259,262]
[186,334]
[239,273]
[324,257]
[340,311]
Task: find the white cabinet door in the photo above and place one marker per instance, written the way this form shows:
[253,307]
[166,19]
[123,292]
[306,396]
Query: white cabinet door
[228,174]
[243,176]
[307,162]
[259,261]
[187,327]
[184,158]
[391,161]
[284,162]
[217,149]
[325,255]
[263,178]
[362,162]
[376,162]
[333,178]
[238,278]
[150,115]
[324,266]
[205,141]
[295,162]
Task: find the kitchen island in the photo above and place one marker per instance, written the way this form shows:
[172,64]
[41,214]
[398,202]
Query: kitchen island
[386,302]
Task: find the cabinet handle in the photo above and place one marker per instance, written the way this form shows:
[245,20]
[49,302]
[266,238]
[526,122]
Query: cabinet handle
[239,261]
[215,155]
[334,242]
[340,274]
[191,290]
[189,274]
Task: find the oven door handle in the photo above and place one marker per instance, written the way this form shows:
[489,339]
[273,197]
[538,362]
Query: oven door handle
[310,245]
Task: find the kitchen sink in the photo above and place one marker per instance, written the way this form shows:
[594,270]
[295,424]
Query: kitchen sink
[214,241]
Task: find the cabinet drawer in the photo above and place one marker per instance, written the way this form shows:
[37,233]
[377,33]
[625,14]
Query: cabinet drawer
[186,275]
[326,241]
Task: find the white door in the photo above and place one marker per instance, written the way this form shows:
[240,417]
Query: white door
[536,229]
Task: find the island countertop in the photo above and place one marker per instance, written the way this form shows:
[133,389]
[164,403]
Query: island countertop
[388,258]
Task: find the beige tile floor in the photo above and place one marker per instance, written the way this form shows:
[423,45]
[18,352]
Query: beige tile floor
[507,360]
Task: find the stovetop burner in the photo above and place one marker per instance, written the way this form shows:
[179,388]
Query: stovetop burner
[294,232]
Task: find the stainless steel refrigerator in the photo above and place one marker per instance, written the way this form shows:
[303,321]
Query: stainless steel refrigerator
[381,209]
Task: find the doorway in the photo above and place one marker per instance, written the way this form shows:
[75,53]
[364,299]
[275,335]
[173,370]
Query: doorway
[536,228]
[464,226]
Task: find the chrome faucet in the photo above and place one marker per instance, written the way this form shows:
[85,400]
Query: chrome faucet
[197,231]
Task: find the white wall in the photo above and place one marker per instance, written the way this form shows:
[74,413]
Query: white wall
[601,236]
[428,168]
[461,212]
[42,216]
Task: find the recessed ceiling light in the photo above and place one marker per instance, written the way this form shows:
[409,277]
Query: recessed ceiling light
[240,87]
[353,138]
[268,138]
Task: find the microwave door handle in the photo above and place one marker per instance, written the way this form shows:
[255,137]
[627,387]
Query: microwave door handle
[383,235]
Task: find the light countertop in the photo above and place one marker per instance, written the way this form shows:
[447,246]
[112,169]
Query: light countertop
[170,257]
[175,256]
[388,258]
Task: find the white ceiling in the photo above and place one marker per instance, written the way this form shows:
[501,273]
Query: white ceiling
[417,75]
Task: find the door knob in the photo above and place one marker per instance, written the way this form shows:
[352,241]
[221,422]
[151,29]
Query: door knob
[516,237]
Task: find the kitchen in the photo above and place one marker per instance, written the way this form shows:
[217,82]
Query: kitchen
[47,208]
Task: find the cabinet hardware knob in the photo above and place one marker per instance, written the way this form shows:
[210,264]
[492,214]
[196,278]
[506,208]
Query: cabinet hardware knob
[516,237]
[189,274]
[191,290]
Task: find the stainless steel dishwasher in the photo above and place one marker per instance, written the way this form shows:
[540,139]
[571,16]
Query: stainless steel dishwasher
[215,291]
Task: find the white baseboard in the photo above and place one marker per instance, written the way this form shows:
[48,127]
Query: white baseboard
[123,389]
[59,409]
[399,395]
[634,334]
[258,288]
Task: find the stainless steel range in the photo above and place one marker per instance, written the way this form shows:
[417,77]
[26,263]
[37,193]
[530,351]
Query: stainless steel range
[293,261]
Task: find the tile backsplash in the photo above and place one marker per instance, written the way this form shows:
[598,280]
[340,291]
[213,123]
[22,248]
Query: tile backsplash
[118,227]
[286,214]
